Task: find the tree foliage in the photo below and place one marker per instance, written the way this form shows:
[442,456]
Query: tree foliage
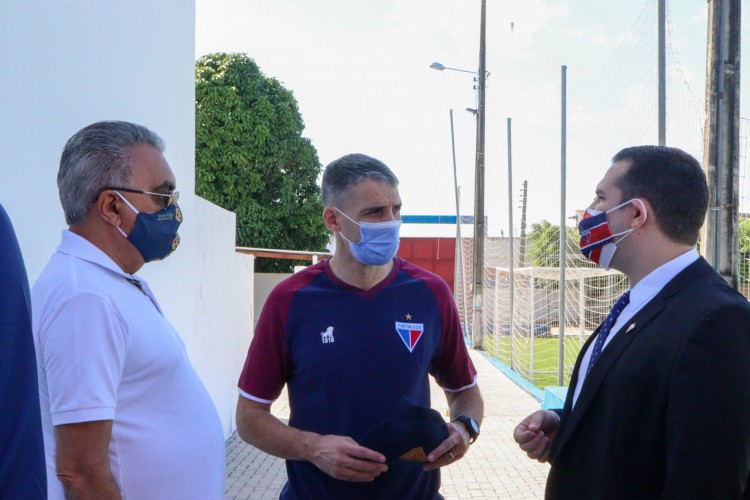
[251,158]
[744,236]
[544,245]
[744,260]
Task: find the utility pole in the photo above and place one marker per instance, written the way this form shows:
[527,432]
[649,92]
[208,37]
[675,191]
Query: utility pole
[522,256]
[720,242]
[511,274]
[459,243]
[563,232]
[662,72]
[477,329]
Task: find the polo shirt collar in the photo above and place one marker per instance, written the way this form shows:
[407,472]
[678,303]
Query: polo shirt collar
[80,247]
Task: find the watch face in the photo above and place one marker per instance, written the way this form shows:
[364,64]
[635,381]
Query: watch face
[474,425]
[471,426]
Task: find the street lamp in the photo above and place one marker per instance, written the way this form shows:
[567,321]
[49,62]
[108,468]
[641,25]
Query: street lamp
[440,67]
[477,328]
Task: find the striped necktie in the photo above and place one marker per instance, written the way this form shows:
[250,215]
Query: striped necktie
[607,327]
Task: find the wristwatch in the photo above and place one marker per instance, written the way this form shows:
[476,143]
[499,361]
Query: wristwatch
[471,426]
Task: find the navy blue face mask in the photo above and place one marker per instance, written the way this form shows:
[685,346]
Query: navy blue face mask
[154,235]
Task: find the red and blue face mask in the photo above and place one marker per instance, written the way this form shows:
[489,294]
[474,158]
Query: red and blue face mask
[597,240]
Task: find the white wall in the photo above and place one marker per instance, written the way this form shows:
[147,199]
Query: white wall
[223,321]
[68,64]
[264,283]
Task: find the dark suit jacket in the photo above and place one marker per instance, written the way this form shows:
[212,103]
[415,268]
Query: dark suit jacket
[22,469]
[665,411]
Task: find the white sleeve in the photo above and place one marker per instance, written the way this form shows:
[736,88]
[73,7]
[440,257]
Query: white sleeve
[83,347]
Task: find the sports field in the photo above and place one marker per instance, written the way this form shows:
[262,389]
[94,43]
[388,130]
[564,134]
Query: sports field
[545,356]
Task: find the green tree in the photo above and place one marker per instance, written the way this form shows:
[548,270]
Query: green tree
[544,245]
[744,237]
[251,158]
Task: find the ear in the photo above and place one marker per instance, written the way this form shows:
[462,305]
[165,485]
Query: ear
[642,211]
[108,208]
[330,217]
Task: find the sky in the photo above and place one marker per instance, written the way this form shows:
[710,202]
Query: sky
[361,74]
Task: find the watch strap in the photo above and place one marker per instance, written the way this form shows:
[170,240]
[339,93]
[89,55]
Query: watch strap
[469,423]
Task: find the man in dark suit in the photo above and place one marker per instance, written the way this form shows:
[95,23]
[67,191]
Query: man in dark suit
[659,399]
[22,469]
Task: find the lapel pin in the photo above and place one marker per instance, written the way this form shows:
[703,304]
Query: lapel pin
[632,325]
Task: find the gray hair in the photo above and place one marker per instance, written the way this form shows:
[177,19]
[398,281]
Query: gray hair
[96,157]
[342,174]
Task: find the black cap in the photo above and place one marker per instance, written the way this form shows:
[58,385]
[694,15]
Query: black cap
[411,433]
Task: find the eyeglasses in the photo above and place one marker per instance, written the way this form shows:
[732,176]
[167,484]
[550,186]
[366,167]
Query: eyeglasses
[169,198]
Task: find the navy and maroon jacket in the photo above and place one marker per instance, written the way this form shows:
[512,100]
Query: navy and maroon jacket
[347,356]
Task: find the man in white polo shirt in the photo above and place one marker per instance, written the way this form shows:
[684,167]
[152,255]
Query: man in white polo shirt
[124,412]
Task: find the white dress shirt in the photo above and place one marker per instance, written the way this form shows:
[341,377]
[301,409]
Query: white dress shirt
[640,295]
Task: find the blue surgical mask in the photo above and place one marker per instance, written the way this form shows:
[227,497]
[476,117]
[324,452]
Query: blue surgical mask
[154,235]
[378,241]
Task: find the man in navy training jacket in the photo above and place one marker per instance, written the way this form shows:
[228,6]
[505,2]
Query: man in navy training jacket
[349,336]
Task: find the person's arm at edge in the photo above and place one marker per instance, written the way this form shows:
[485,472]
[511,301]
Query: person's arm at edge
[82,460]
[338,456]
[467,403]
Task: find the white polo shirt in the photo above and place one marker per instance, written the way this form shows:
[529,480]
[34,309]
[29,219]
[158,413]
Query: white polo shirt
[105,351]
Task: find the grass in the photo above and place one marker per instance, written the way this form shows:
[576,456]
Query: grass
[543,372]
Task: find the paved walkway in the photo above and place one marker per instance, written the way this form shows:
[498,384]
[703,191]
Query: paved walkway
[493,468]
